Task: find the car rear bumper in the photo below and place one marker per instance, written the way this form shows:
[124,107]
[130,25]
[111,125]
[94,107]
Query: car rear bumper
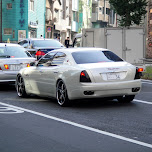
[107,89]
[8,76]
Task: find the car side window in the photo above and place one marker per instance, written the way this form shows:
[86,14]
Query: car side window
[111,56]
[46,59]
[20,43]
[58,59]
[24,43]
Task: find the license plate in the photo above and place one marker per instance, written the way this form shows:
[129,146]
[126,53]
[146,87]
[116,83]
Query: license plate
[16,67]
[113,76]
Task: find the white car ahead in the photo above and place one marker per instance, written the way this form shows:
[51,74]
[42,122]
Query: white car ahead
[68,74]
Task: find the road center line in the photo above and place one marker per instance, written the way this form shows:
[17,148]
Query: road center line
[81,126]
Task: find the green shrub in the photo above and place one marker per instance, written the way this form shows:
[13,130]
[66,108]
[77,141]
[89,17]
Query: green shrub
[148,73]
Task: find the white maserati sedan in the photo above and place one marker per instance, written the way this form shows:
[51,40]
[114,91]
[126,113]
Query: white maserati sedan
[68,74]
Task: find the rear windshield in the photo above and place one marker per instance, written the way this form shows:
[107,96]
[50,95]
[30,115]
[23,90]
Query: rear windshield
[12,52]
[84,57]
[46,43]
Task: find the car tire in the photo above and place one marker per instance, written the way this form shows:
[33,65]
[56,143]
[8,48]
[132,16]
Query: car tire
[61,94]
[126,98]
[20,86]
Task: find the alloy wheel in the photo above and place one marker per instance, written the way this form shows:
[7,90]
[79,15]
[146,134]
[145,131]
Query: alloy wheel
[20,87]
[61,94]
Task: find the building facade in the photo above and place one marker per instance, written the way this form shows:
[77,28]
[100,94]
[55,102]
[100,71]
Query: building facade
[102,14]
[96,14]
[22,19]
[49,19]
[75,17]
[36,18]
[60,19]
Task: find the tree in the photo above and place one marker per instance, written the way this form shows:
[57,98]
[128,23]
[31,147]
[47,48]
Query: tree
[130,11]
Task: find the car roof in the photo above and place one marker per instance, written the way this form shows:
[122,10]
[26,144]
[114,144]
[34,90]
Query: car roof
[9,44]
[71,50]
[78,35]
[32,39]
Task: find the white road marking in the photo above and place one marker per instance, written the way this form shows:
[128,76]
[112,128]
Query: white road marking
[141,101]
[9,110]
[81,126]
[146,82]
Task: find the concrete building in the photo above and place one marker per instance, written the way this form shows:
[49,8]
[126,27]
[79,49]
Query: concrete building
[62,19]
[85,12]
[102,14]
[49,19]
[75,17]
[22,19]
[96,14]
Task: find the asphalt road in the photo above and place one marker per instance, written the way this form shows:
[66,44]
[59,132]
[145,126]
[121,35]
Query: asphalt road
[40,125]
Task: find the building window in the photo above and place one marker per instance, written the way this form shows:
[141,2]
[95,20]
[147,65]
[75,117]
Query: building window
[75,16]
[94,8]
[56,15]
[13,34]
[31,5]
[7,31]
[32,33]
[9,5]
[107,11]
[100,9]
[103,10]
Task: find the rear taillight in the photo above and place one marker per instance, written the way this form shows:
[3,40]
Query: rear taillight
[28,65]
[138,73]
[84,77]
[6,66]
[140,69]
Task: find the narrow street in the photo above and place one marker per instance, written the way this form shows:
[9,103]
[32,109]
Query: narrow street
[39,124]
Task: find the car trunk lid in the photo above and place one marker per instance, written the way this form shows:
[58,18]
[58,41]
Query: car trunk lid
[15,64]
[109,71]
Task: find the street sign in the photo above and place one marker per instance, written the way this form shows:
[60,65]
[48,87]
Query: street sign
[49,29]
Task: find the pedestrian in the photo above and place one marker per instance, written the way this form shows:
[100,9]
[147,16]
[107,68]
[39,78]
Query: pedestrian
[58,38]
[67,42]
